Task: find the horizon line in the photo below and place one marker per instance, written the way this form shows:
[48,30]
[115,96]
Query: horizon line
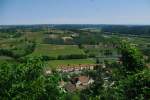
[72,24]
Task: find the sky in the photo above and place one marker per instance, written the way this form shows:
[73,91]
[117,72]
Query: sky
[74,12]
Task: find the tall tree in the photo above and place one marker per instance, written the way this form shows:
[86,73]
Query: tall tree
[131,58]
[135,87]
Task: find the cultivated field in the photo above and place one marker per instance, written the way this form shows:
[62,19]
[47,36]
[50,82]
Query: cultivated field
[56,50]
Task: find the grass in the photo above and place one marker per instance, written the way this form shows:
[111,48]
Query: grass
[56,50]
[55,63]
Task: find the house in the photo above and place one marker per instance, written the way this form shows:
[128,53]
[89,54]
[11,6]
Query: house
[76,83]
[82,81]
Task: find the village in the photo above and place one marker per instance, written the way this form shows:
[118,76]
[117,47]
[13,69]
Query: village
[74,68]
[78,82]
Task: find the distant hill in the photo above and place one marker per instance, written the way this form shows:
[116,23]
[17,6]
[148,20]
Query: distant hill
[121,29]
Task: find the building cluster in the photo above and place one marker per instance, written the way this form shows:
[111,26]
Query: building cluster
[76,83]
[73,68]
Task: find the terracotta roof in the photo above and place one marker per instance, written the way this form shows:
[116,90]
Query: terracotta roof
[83,79]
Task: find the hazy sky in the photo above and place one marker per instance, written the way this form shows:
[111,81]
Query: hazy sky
[74,12]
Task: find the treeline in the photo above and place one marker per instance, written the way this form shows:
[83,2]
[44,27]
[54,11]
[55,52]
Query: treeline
[121,29]
[72,56]
[125,29]
[64,57]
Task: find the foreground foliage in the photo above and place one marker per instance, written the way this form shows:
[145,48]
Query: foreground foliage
[27,81]
[129,81]
[135,87]
[131,58]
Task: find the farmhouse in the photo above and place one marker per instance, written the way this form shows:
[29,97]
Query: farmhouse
[84,81]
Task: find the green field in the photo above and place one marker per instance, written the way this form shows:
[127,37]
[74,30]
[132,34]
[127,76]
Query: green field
[55,63]
[56,50]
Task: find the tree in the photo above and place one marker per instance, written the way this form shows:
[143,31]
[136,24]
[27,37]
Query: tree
[27,80]
[131,58]
[135,87]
